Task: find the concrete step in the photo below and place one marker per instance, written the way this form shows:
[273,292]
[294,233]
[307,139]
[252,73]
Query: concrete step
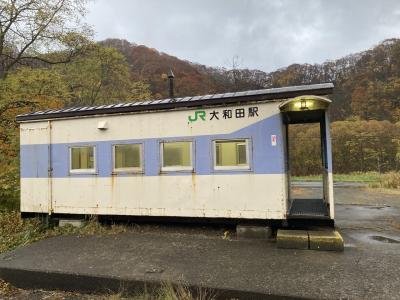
[72,222]
[244,232]
[324,240]
[292,239]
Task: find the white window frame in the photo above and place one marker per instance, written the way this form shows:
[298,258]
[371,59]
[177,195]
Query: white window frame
[83,171]
[230,168]
[132,169]
[176,168]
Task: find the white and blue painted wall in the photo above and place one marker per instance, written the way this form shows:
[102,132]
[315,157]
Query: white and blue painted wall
[259,192]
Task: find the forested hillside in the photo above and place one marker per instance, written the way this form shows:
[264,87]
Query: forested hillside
[365,108]
[367,83]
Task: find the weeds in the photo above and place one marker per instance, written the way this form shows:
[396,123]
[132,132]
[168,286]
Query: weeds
[357,177]
[227,235]
[7,290]
[15,231]
[390,180]
[351,177]
[395,224]
[166,292]
[182,292]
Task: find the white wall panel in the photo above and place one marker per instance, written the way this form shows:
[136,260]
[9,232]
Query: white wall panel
[34,195]
[236,196]
[34,133]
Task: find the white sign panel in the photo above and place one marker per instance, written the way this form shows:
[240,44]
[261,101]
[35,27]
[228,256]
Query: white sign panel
[273,140]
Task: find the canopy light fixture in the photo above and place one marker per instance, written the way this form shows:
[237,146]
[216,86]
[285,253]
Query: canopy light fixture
[304,104]
[102,125]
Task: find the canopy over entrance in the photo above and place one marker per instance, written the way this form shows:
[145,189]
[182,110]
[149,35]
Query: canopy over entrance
[304,109]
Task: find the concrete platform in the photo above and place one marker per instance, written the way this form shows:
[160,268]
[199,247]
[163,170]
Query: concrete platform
[292,239]
[72,222]
[245,232]
[323,240]
[243,269]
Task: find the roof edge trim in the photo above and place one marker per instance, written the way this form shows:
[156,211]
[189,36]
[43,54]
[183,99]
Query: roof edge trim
[321,89]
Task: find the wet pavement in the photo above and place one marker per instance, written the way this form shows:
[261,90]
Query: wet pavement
[349,193]
[247,269]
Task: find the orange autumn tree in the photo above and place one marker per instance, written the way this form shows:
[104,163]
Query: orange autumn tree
[23,90]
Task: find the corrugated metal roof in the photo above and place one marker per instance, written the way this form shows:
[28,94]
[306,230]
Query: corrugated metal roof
[171,103]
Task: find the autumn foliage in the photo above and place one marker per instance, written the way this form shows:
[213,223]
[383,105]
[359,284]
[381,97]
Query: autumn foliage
[357,146]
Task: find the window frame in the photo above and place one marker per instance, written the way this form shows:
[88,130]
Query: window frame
[246,167]
[129,169]
[83,171]
[176,168]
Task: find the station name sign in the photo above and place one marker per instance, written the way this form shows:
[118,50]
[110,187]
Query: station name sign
[216,115]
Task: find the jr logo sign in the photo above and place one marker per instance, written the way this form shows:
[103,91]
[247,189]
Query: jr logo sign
[198,114]
[215,115]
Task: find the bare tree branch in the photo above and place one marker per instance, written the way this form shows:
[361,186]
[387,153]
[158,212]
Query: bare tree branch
[29,29]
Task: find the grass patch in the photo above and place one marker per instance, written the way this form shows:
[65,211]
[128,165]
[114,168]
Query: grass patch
[367,177]
[166,292]
[389,180]
[181,292]
[7,290]
[16,232]
[306,178]
[357,177]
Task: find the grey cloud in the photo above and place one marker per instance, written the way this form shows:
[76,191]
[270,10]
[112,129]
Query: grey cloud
[265,34]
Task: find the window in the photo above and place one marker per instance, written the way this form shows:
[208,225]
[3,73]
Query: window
[128,157]
[231,154]
[176,156]
[82,159]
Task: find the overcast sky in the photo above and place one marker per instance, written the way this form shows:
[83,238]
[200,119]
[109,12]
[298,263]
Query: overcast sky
[264,34]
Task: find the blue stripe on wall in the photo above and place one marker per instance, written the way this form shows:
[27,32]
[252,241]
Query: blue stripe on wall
[264,158]
[34,160]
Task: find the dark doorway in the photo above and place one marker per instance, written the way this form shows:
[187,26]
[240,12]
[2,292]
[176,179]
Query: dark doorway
[306,159]
[308,169]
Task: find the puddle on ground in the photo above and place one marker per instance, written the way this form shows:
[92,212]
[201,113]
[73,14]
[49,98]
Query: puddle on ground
[357,237]
[384,239]
[365,212]
[377,207]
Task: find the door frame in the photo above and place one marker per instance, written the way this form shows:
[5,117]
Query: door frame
[303,110]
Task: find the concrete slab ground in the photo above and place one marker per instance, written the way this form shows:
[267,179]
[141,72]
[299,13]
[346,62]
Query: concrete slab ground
[326,240]
[292,239]
[246,269]
[323,239]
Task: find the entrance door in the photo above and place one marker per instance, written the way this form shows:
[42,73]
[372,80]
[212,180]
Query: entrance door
[305,161]
[307,158]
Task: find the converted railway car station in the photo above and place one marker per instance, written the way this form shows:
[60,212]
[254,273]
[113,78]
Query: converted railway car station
[222,156]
